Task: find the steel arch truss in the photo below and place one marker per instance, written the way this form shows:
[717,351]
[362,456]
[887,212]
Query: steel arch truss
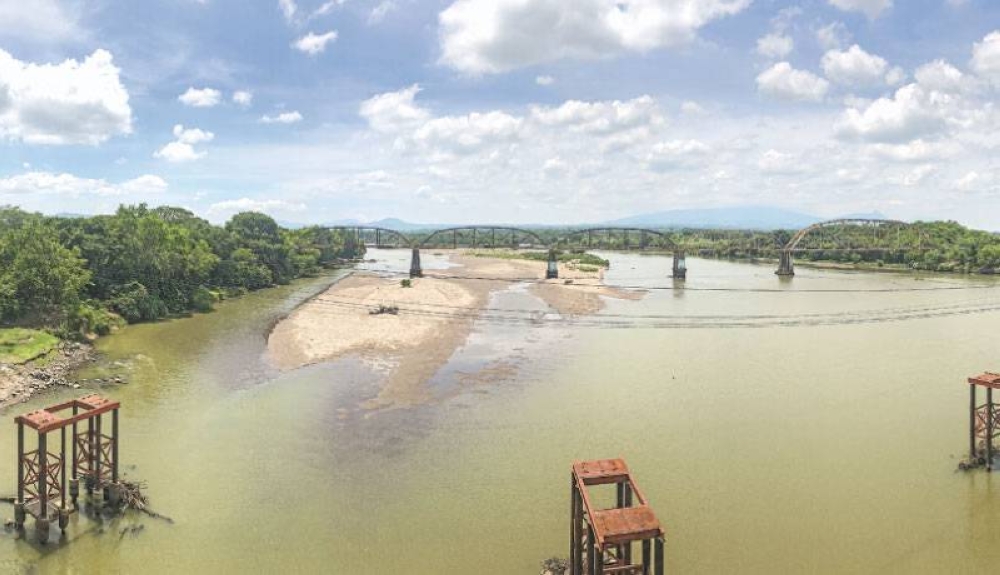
[375,237]
[617,238]
[483,237]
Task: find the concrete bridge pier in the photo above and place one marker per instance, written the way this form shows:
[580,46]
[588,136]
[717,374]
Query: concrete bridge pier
[680,265]
[786,267]
[415,270]
[552,272]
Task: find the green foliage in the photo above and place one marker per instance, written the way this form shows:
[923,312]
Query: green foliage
[145,264]
[202,300]
[38,275]
[580,258]
[88,319]
[18,345]
[406,283]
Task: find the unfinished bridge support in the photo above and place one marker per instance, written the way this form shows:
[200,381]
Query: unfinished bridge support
[983,428]
[415,270]
[41,473]
[680,265]
[552,271]
[785,266]
[602,540]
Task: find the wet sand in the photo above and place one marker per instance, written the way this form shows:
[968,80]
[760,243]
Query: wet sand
[435,318]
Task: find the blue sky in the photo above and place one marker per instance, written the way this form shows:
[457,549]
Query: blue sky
[501,110]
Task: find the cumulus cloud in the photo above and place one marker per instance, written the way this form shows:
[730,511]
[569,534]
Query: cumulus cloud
[544,80]
[201,97]
[394,111]
[676,153]
[69,185]
[491,36]
[68,103]
[380,11]
[854,67]
[775,162]
[289,9]
[871,8]
[775,45]
[38,21]
[314,44]
[786,83]
[227,208]
[601,117]
[833,36]
[986,57]
[282,118]
[468,133]
[912,112]
[243,98]
[940,75]
[182,148]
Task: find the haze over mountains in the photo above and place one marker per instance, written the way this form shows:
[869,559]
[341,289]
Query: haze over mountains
[739,217]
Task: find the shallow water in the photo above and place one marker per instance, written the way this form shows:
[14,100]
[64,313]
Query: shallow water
[764,446]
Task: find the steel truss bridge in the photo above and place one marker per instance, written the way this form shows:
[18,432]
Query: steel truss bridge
[840,235]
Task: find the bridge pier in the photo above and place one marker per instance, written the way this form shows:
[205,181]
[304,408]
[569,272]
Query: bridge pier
[680,265]
[786,267]
[415,270]
[552,272]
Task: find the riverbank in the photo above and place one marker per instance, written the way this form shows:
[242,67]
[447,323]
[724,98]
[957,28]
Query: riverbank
[433,318]
[21,381]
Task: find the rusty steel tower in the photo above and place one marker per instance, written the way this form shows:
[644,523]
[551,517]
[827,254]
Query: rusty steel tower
[983,423]
[601,540]
[41,473]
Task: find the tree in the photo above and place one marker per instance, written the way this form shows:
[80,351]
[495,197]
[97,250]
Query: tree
[38,275]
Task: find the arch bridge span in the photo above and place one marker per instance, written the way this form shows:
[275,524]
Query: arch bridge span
[375,237]
[483,236]
[882,239]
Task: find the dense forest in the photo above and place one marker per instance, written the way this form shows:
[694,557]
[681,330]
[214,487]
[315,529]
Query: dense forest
[85,275]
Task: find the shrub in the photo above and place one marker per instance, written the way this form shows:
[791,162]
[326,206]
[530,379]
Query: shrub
[406,283]
[202,300]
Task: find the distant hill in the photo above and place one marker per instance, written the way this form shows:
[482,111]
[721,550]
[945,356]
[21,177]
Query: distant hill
[741,217]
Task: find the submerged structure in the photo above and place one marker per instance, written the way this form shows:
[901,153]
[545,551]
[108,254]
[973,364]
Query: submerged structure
[983,424]
[41,473]
[602,539]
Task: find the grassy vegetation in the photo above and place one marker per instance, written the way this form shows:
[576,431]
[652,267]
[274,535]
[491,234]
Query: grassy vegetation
[580,259]
[19,345]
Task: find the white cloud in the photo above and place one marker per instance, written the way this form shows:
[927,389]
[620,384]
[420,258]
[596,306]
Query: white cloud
[786,83]
[288,9]
[491,36]
[986,57]
[918,150]
[911,113]
[243,98]
[227,208]
[775,162]
[314,44]
[69,185]
[468,133]
[854,67]
[394,111]
[940,75]
[833,36]
[201,97]
[380,11]
[37,21]
[676,153]
[690,108]
[544,80]
[326,8]
[775,45]
[601,117]
[68,103]
[871,8]
[282,118]
[182,148]
[969,181]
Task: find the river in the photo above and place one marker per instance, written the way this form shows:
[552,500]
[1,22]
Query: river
[811,425]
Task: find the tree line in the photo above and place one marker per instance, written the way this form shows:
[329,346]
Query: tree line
[86,275]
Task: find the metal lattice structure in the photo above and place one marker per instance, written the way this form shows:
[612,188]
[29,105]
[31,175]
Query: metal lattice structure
[374,237]
[41,474]
[483,237]
[984,423]
[886,236]
[602,540]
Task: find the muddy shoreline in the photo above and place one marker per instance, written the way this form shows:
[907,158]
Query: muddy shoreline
[21,382]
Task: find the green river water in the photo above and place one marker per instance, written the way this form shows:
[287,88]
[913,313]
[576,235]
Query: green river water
[820,435]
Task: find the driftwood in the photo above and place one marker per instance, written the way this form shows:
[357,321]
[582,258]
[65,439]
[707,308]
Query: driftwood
[132,497]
